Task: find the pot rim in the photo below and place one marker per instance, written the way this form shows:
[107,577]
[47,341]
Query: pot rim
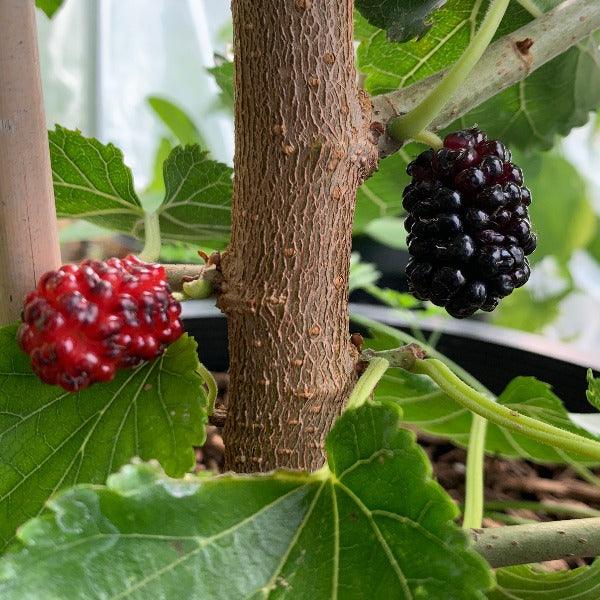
[470,329]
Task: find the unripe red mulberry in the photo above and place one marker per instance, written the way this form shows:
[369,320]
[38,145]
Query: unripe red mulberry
[83,322]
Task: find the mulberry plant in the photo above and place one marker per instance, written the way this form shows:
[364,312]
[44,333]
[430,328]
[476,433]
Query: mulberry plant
[105,405]
[468,224]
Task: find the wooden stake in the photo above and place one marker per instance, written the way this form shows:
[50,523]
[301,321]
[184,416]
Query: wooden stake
[28,229]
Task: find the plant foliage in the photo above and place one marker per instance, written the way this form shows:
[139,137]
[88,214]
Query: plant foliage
[51,439]
[373,524]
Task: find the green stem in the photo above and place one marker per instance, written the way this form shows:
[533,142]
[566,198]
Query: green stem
[509,519]
[541,507]
[429,138]
[503,416]
[581,470]
[211,386]
[413,123]
[380,294]
[537,542]
[474,482]
[366,384]
[152,242]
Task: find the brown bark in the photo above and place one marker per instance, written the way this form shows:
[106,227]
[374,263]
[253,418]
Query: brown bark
[303,145]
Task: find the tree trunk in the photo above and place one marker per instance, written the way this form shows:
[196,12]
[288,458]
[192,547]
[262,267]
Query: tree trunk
[304,143]
[28,230]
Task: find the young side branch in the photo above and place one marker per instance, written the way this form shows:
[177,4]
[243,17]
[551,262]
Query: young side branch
[537,542]
[504,63]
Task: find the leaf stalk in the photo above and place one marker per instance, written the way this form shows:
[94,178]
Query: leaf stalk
[366,384]
[152,238]
[481,405]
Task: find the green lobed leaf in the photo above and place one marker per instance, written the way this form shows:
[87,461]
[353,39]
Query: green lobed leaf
[224,76]
[530,583]
[197,204]
[51,439]
[80,231]
[372,525]
[176,120]
[550,101]
[523,311]
[49,6]
[362,274]
[394,298]
[561,211]
[402,19]
[388,66]
[388,231]
[593,392]
[380,196]
[594,245]
[404,301]
[92,182]
[425,406]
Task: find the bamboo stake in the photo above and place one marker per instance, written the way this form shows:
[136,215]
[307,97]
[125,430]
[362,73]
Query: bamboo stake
[28,228]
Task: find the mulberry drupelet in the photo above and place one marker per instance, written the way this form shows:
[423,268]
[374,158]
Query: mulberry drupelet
[83,322]
[468,224]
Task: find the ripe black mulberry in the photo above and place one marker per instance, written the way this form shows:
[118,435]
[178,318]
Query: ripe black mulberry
[468,224]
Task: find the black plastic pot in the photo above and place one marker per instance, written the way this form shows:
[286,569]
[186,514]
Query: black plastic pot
[390,262]
[494,355]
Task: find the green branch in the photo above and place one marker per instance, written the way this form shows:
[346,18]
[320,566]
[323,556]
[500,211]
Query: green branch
[481,405]
[537,542]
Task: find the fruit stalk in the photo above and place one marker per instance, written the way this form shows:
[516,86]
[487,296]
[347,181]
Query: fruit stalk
[552,34]
[418,119]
